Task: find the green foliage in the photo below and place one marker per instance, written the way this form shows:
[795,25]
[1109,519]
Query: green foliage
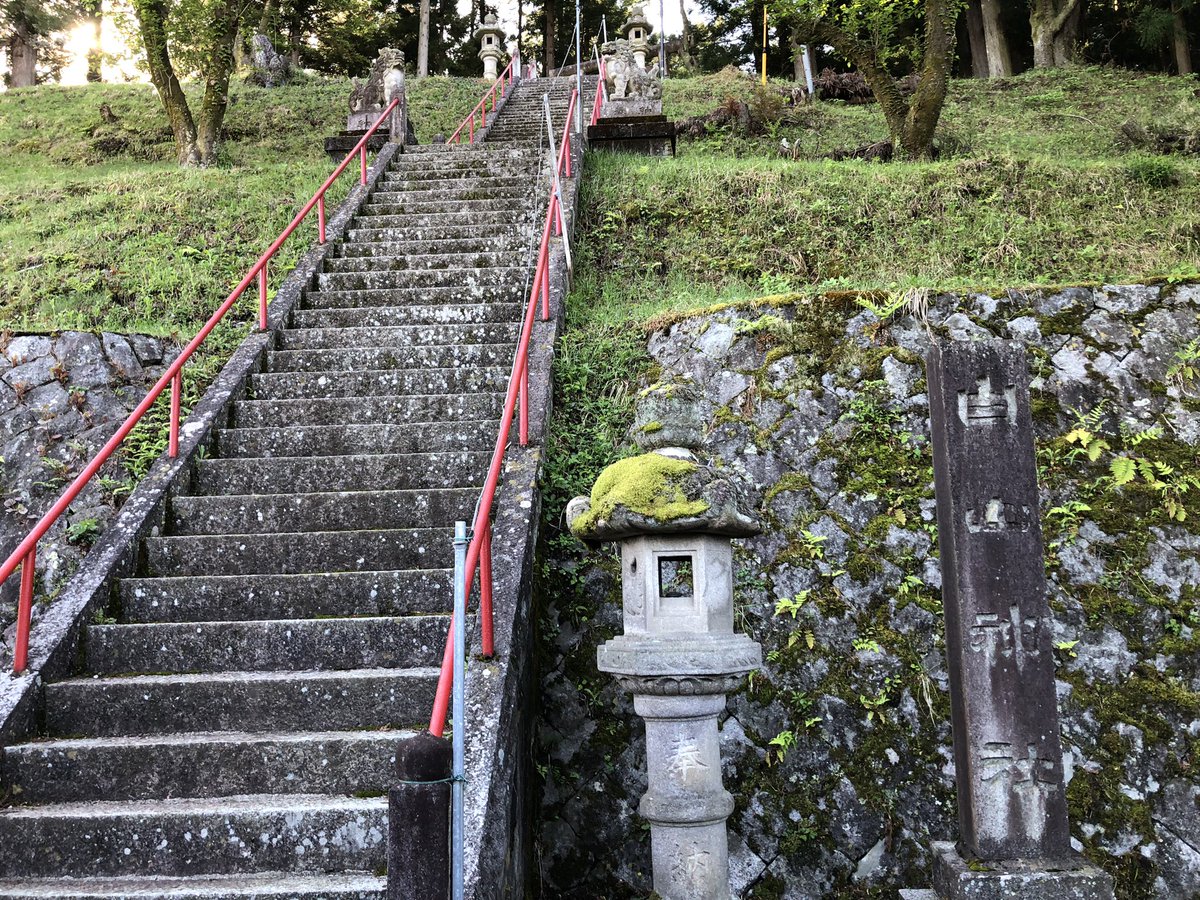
[83,531]
[1185,369]
[1153,171]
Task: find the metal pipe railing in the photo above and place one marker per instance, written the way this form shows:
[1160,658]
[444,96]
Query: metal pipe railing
[498,89]
[479,552]
[25,554]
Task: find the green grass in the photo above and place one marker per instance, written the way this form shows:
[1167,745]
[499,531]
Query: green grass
[99,229]
[1050,196]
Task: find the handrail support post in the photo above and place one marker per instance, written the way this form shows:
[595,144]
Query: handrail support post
[25,611]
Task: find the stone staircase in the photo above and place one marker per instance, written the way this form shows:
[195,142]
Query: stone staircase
[232,732]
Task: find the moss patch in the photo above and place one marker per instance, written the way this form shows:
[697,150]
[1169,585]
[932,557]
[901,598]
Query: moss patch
[650,485]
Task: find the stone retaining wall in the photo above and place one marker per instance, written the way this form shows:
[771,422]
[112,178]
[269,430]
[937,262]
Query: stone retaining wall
[61,397]
[838,751]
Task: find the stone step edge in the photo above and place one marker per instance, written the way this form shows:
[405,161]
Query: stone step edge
[284,885]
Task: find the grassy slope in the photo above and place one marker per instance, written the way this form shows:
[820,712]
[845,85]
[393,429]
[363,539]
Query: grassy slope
[1033,186]
[100,229]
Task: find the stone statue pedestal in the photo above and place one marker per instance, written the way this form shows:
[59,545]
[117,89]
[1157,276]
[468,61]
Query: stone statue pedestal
[1073,878]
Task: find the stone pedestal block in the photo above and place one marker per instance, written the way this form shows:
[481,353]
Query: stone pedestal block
[1072,878]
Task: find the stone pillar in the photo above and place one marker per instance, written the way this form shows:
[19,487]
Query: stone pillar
[679,655]
[419,820]
[491,46]
[1014,839]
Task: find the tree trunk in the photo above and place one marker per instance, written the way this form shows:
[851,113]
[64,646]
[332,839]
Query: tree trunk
[925,107]
[1047,18]
[977,39]
[685,41]
[22,56]
[94,14]
[152,16]
[1066,42]
[267,21]
[999,61]
[242,57]
[797,55]
[423,41]
[551,27]
[1179,37]
[224,28]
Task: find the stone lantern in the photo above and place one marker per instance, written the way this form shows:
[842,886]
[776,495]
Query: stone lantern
[674,517]
[491,46]
[636,30]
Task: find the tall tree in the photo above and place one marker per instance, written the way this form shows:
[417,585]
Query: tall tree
[423,40]
[999,61]
[1055,25]
[1162,24]
[685,41]
[214,25]
[26,26]
[860,33]
[93,14]
[1179,39]
[550,34]
[976,40]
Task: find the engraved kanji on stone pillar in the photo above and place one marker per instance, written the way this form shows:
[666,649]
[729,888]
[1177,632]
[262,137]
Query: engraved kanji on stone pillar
[1011,795]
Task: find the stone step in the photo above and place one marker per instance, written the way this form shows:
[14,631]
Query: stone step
[206,836]
[408,410]
[479,191]
[463,278]
[319,474]
[394,316]
[272,645]
[399,204]
[350,440]
[417,223]
[401,336]
[201,764]
[240,701]
[378,243]
[385,382]
[295,553]
[417,240]
[441,181]
[246,597]
[432,261]
[352,359]
[268,886]
[456,295]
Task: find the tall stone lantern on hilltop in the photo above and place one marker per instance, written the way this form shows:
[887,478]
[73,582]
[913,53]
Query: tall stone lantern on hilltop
[491,46]
[674,517]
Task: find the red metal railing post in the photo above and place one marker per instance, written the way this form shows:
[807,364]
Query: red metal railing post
[321,218]
[524,426]
[362,165]
[568,148]
[485,591]
[472,129]
[262,297]
[24,612]
[176,403]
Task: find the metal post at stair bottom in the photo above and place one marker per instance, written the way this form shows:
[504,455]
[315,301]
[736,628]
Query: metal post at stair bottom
[556,185]
[458,709]
[578,65]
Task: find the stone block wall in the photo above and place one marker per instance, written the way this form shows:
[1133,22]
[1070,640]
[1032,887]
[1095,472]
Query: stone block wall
[838,751]
[61,397]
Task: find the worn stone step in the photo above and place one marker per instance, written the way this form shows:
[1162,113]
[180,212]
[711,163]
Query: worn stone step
[393,316]
[432,237]
[416,223]
[294,553]
[272,645]
[247,597]
[442,181]
[399,204]
[201,764]
[386,382]
[366,410]
[291,833]
[268,886]
[240,701]
[348,440]
[357,439]
[407,336]
[464,278]
[440,261]
[305,475]
[504,291]
[378,243]
[352,359]
[479,191]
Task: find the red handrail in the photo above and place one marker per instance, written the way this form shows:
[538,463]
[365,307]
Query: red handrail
[497,90]
[598,100]
[479,551]
[26,553]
